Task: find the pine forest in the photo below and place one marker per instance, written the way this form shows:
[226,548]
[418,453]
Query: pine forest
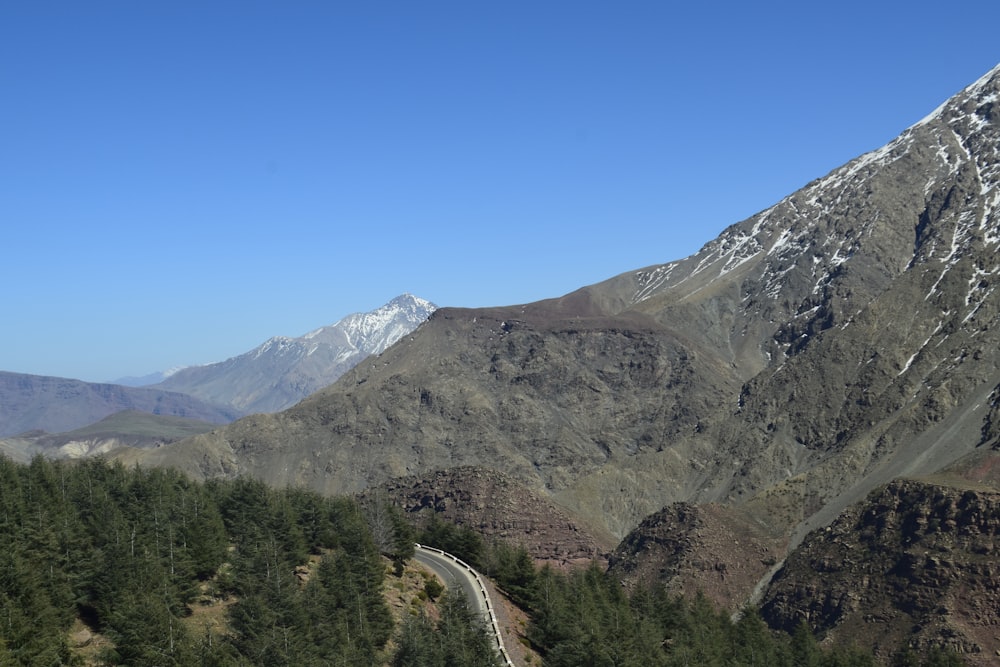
[137,556]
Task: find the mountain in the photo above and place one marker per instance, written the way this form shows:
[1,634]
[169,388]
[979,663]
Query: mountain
[145,380]
[129,428]
[720,551]
[55,405]
[913,564]
[842,338]
[282,371]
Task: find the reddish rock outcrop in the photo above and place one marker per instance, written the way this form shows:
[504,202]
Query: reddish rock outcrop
[715,549]
[496,506]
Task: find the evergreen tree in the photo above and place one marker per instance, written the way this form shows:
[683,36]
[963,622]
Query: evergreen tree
[513,570]
[465,639]
[127,551]
[753,644]
[458,639]
[313,513]
[456,540]
[146,631]
[805,651]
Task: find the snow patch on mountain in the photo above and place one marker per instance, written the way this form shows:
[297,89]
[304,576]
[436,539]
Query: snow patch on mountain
[822,224]
[283,370]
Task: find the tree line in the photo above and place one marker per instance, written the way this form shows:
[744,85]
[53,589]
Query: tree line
[585,618]
[134,553]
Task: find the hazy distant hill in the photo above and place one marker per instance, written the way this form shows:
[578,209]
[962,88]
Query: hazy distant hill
[845,337]
[55,405]
[144,380]
[129,428]
[282,371]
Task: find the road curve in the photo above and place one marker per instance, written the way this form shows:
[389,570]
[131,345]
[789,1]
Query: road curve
[456,575]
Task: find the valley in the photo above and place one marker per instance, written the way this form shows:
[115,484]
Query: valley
[805,411]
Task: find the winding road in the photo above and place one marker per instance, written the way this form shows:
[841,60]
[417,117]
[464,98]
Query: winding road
[456,574]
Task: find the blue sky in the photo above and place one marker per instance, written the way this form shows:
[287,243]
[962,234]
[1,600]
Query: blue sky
[180,181]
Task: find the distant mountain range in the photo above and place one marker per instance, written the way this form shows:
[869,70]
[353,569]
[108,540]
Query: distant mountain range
[128,428]
[740,398]
[282,371]
[54,405]
[145,380]
[275,375]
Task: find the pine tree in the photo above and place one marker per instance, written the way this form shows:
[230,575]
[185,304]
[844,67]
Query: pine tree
[805,650]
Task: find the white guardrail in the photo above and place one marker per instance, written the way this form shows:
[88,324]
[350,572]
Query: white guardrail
[486,598]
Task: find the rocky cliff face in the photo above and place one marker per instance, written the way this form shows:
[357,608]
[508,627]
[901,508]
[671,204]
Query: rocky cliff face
[602,410]
[717,550]
[840,339]
[884,350]
[498,507]
[916,564]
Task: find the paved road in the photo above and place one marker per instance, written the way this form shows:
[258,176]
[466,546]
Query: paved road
[457,575]
[454,576]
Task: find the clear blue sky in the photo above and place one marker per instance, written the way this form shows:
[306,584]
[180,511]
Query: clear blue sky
[181,180]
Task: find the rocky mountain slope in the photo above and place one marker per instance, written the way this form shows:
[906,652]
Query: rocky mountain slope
[719,550]
[546,399]
[55,405]
[744,396]
[496,507]
[282,371]
[838,339]
[915,564]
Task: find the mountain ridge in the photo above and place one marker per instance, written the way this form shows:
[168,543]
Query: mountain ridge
[58,406]
[736,402]
[283,370]
[760,361]
[52,404]
[128,428]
